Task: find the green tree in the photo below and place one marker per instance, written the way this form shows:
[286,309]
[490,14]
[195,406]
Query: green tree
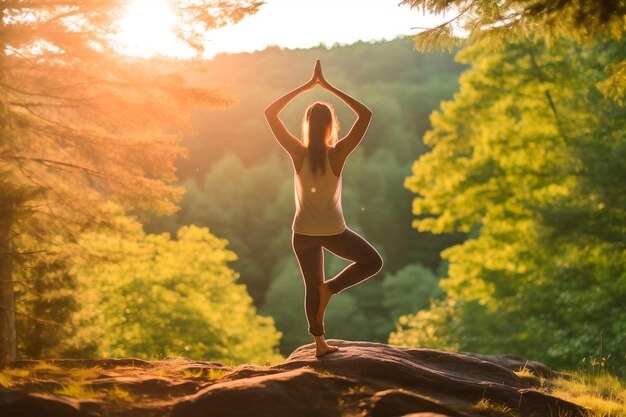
[409,290]
[46,298]
[498,22]
[527,146]
[285,303]
[238,202]
[83,125]
[155,296]
[495,23]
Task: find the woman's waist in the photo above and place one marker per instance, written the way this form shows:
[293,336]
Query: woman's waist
[324,225]
[319,207]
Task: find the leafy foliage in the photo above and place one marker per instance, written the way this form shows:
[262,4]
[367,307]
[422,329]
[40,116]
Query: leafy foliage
[85,122]
[410,290]
[82,126]
[155,296]
[533,156]
[497,22]
[47,299]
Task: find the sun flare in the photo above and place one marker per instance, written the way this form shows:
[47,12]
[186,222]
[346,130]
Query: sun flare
[147,29]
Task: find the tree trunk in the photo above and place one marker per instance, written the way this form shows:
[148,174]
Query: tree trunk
[8,342]
[7,300]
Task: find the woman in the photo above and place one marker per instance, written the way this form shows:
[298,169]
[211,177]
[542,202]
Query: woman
[318,162]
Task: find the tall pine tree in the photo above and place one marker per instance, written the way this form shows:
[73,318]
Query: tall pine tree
[82,125]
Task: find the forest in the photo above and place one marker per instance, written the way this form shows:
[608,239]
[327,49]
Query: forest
[146,208]
[239,181]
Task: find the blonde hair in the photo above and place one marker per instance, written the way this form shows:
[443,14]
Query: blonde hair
[318,118]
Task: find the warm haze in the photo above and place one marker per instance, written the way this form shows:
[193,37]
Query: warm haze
[170,247]
[147,26]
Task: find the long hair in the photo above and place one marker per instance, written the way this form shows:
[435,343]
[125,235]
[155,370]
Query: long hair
[320,129]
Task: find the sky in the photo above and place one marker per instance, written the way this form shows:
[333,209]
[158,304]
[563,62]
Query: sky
[147,26]
[307,23]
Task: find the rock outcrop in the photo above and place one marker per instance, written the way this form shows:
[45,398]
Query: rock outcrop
[361,379]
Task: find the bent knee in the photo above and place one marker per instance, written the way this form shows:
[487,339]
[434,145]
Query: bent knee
[376,264]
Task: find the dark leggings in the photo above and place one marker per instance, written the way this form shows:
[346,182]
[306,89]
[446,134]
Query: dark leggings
[348,245]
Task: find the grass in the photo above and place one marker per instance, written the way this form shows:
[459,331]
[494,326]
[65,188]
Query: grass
[163,372]
[216,373]
[526,373]
[6,380]
[602,394]
[490,408]
[358,389]
[210,373]
[77,390]
[10,377]
[45,366]
[165,369]
[83,374]
[127,368]
[17,372]
[117,394]
[193,373]
[75,382]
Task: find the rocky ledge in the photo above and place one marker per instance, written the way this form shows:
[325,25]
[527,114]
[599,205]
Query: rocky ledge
[361,379]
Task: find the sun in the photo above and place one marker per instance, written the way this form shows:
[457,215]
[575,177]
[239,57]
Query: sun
[147,29]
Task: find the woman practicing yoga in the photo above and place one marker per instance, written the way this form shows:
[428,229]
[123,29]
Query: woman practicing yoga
[319,223]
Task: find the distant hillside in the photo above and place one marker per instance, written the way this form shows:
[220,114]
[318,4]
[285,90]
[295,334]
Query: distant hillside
[240,184]
[400,85]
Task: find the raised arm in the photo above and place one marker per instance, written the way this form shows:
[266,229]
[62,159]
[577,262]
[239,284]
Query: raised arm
[290,143]
[346,145]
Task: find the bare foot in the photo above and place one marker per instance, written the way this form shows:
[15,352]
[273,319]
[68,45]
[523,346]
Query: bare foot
[325,294]
[323,350]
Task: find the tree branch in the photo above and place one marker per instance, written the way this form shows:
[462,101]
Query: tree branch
[48,162]
[30,93]
[22,253]
[469,6]
[37,319]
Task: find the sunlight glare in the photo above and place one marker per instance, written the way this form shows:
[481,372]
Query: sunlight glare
[147,29]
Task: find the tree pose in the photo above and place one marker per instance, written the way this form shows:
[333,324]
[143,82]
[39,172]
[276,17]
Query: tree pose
[318,161]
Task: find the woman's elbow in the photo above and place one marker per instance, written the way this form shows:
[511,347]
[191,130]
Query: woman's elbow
[367,115]
[270,116]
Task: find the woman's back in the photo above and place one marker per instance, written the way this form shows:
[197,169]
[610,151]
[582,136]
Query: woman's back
[318,199]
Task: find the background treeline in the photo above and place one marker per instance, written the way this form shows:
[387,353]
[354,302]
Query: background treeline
[514,182]
[88,140]
[240,182]
[223,283]
[533,147]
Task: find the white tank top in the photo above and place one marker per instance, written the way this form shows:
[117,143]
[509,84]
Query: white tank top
[318,200]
